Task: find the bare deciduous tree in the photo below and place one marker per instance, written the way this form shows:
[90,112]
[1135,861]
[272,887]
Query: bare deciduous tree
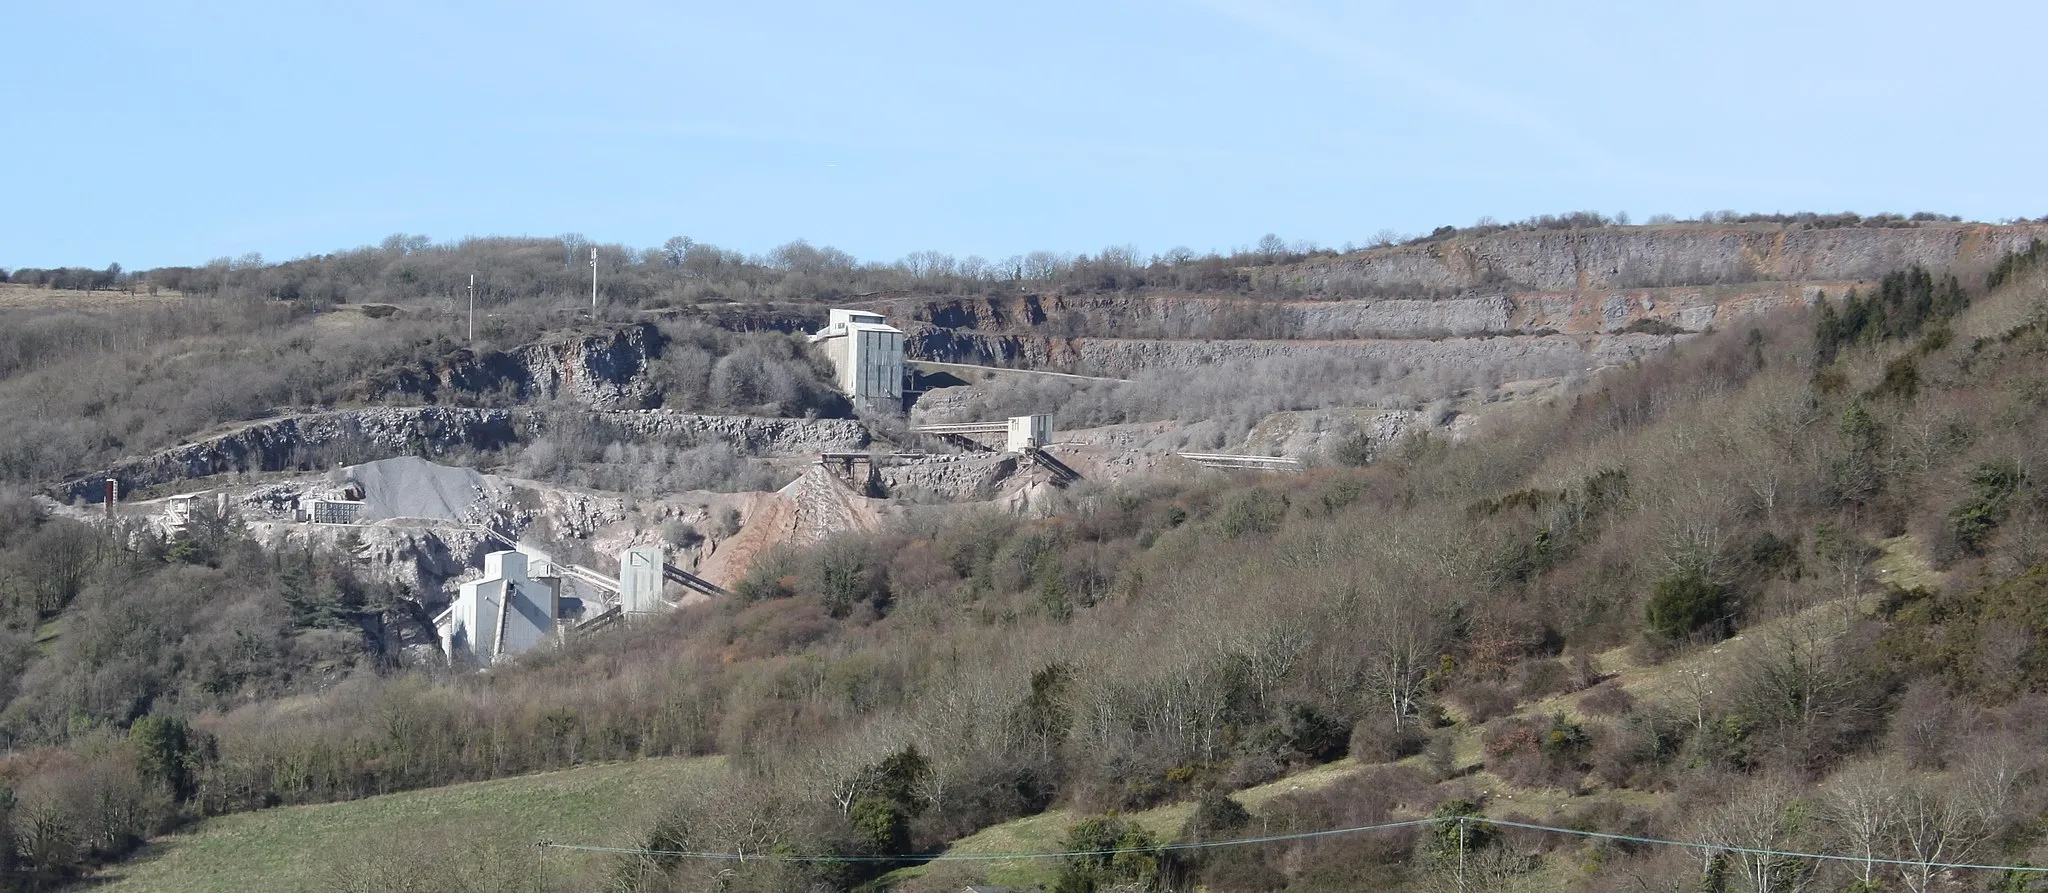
[1763,819]
[1864,807]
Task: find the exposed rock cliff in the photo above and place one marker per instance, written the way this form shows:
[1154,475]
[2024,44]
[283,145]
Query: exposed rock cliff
[1509,357]
[317,441]
[600,370]
[1636,257]
[1683,277]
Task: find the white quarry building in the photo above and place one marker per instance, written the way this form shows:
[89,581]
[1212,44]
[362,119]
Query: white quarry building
[867,358]
[504,613]
[640,579]
[1027,432]
[526,598]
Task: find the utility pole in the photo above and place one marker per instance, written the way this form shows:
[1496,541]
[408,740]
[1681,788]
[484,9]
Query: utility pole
[593,283]
[1461,854]
[472,308]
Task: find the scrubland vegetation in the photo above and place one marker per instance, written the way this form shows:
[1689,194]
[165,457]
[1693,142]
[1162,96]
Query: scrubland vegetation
[81,389]
[1532,614]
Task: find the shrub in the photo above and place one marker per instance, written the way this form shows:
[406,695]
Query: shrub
[1537,751]
[680,534]
[1355,449]
[1538,679]
[1992,485]
[1313,734]
[1378,739]
[1684,603]
[1483,701]
[1111,853]
[1452,837]
[1651,326]
[1925,725]
[1625,753]
[1216,817]
[1257,511]
[1607,700]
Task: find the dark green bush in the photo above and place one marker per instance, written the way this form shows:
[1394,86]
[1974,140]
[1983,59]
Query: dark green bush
[1685,603]
[1992,485]
[1110,852]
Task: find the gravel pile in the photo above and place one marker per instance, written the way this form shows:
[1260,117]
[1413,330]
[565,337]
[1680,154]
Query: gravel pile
[412,487]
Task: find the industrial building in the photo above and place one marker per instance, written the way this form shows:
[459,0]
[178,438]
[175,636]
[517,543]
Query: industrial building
[527,597]
[867,358]
[504,613]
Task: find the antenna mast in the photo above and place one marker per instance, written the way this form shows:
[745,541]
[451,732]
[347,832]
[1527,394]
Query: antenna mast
[472,308]
[593,283]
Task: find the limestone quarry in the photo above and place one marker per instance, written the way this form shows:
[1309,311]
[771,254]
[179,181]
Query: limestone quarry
[1460,329]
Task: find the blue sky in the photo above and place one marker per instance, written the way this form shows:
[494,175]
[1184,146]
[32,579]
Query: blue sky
[170,133]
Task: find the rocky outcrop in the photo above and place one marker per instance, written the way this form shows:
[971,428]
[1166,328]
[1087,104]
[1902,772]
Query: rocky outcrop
[1654,256]
[1170,318]
[971,477]
[1690,309]
[314,441]
[1684,277]
[318,441]
[748,435]
[599,370]
[1436,327]
[1510,356]
[1180,317]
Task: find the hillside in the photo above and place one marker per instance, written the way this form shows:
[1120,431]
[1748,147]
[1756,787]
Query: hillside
[1695,569]
[388,842]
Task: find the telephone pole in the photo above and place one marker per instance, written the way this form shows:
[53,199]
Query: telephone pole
[593,283]
[472,308]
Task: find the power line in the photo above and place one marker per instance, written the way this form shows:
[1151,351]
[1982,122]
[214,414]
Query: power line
[987,857]
[1758,851]
[1282,838]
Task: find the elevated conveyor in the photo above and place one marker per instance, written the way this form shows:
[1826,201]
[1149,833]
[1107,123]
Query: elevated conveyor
[1241,462]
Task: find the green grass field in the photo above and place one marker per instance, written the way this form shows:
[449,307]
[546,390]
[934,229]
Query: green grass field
[343,846]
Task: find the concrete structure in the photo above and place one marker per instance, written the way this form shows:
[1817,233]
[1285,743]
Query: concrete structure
[334,511]
[1028,432]
[640,580]
[503,614]
[867,358]
[1020,433]
[1241,462]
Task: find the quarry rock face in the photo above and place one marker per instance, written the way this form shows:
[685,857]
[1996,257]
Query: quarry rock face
[749,435]
[1513,357]
[601,371]
[1322,433]
[1517,284]
[1177,317]
[1655,256]
[598,370]
[315,441]
[972,477]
